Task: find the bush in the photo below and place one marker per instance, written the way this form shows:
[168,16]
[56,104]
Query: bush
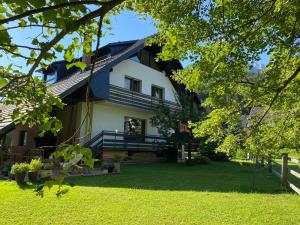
[202,160]
[220,156]
[35,165]
[209,150]
[47,166]
[20,168]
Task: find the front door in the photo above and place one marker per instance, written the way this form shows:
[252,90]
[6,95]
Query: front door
[135,129]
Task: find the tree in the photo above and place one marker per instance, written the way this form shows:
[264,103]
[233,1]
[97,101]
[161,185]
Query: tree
[167,121]
[222,39]
[29,95]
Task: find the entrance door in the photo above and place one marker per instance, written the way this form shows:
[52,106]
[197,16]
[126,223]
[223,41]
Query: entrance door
[135,129]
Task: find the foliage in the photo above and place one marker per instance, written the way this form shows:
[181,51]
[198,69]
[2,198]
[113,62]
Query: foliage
[202,160]
[73,156]
[47,166]
[223,40]
[18,168]
[218,193]
[166,121]
[20,87]
[210,151]
[35,165]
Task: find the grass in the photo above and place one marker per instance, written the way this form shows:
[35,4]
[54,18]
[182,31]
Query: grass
[219,193]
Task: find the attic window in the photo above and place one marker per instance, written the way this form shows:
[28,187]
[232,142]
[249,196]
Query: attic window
[146,58]
[133,84]
[157,92]
[51,78]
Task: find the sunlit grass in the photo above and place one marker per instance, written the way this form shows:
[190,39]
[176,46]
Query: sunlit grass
[219,193]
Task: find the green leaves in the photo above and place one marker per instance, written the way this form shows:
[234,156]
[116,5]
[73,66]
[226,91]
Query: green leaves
[3,82]
[78,64]
[222,40]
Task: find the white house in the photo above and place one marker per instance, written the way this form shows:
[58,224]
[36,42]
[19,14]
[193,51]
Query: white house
[126,87]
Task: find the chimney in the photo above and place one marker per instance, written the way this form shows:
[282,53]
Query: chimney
[86,57]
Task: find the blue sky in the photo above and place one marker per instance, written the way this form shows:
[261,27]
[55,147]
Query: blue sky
[126,26]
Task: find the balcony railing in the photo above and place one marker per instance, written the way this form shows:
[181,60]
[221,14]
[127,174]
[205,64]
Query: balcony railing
[124,96]
[110,140]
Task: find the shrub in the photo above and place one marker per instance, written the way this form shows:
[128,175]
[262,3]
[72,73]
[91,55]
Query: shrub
[47,166]
[220,156]
[209,150]
[35,165]
[202,160]
[20,168]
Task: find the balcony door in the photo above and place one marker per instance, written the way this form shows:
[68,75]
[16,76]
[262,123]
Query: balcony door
[135,129]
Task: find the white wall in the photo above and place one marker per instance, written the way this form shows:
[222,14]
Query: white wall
[111,117]
[147,75]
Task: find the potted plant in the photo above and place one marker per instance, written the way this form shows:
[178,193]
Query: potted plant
[116,164]
[20,170]
[35,166]
[46,171]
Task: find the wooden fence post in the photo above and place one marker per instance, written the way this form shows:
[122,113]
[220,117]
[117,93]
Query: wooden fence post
[284,171]
[269,164]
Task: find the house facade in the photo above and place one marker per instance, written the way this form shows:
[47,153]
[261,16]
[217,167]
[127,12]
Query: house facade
[127,86]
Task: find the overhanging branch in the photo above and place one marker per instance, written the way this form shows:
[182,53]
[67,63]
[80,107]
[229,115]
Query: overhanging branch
[58,6]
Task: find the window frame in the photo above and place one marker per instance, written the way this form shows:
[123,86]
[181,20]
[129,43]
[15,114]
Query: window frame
[162,92]
[132,79]
[23,138]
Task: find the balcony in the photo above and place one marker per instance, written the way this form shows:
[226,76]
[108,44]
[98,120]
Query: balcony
[126,97]
[111,140]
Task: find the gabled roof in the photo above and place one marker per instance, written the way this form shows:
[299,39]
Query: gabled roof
[72,83]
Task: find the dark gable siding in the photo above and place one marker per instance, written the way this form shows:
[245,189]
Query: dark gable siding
[100,84]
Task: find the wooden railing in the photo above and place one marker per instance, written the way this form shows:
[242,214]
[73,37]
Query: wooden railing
[111,140]
[124,96]
[284,171]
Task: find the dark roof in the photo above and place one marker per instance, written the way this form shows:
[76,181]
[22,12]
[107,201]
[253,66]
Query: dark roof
[71,83]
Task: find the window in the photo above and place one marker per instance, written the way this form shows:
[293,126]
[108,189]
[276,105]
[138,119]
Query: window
[135,129]
[133,84]
[157,92]
[148,59]
[23,138]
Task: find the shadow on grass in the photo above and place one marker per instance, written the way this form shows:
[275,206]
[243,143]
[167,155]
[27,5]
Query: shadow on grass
[215,177]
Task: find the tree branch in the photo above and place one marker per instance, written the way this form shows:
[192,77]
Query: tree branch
[44,9]
[20,46]
[278,91]
[14,53]
[99,12]
[30,25]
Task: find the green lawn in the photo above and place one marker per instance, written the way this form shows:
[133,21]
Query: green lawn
[219,193]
